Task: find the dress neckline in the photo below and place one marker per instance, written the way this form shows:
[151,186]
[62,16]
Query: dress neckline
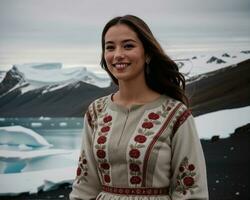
[152,104]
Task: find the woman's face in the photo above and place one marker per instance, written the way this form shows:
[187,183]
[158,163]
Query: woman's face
[124,53]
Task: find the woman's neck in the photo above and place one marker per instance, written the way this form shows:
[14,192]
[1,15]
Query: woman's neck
[134,92]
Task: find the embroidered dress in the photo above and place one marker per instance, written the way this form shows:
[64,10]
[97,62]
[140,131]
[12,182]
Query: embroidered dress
[147,152]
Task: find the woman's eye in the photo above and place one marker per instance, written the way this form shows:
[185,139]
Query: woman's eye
[128,46]
[109,47]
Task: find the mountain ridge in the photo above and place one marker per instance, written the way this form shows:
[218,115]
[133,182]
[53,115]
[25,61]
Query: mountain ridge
[208,92]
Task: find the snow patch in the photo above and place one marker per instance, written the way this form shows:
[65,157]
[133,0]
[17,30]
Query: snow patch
[222,122]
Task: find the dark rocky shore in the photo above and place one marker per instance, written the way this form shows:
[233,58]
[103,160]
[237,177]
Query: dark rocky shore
[227,170]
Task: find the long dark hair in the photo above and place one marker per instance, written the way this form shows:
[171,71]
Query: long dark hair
[162,75]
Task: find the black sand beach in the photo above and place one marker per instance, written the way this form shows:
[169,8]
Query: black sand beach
[227,170]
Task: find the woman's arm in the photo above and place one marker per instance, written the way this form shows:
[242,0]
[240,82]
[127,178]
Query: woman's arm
[189,179]
[87,184]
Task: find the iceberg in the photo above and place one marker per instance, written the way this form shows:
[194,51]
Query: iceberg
[35,181]
[44,74]
[19,135]
[32,169]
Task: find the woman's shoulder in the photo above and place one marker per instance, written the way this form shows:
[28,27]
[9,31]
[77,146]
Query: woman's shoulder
[175,104]
[95,108]
[98,105]
[100,102]
[177,111]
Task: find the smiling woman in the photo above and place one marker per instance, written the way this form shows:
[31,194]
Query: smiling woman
[140,142]
[124,54]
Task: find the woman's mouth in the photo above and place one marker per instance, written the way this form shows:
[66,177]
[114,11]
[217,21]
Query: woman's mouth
[121,66]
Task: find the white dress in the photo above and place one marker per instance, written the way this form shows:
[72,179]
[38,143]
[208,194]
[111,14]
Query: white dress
[147,152]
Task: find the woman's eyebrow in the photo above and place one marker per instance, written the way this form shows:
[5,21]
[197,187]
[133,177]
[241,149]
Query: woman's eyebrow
[123,41]
[128,40]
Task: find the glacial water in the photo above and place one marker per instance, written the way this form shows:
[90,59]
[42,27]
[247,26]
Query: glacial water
[62,133]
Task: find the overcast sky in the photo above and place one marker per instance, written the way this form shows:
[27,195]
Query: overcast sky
[73,23]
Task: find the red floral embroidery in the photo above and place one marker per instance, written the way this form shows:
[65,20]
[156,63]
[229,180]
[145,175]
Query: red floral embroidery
[101,140]
[134,167]
[101,147]
[191,167]
[153,116]
[188,181]
[82,169]
[101,154]
[89,118]
[107,178]
[185,179]
[181,168]
[107,119]
[169,108]
[168,112]
[134,153]
[147,125]
[78,171]
[84,161]
[105,166]
[135,179]
[99,108]
[105,129]
[140,138]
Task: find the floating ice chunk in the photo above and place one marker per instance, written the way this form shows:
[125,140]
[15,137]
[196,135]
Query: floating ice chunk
[51,162]
[63,124]
[25,155]
[32,182]
[36,124]
[18,161]
[16,135]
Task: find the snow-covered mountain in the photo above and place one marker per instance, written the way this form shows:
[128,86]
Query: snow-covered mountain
[50,76]
[193,65]
[2,75]
[43,74]
[45,89]
[34,90]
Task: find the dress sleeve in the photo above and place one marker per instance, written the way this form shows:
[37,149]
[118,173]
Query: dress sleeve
[189,180]
[87,184]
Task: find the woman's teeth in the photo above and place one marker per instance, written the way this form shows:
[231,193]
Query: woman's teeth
[121,66]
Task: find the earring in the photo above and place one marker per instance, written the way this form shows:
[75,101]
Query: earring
[147,65]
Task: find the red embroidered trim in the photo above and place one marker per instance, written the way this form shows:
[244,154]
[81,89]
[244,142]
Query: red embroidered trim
[89,118]
[180,120]
[104,166]
[150,146]
[136,191]
[140,139]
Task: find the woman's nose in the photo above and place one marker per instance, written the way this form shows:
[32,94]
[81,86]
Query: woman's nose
[119,53]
